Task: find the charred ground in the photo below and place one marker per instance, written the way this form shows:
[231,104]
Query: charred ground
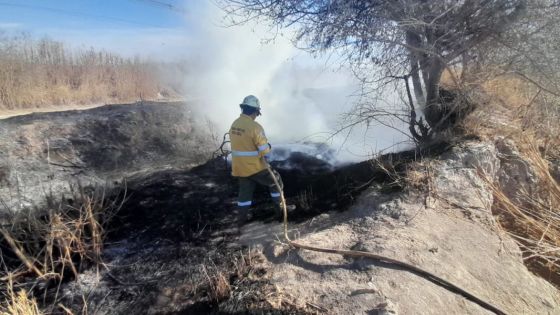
[176,236]
[181,204]
[172,248]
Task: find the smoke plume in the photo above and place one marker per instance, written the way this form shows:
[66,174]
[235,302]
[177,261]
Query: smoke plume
[302,97]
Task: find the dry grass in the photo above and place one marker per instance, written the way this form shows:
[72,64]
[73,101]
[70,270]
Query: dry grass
[219,287]
[519,111]
[38,73]
[532,218]
[235,283]
[19,303]
[217,283]
[414,175]
[252,292]
[305,199]
[50,244]
[388,167]
[512,92]
[244,267]
[247,263]
[419,175]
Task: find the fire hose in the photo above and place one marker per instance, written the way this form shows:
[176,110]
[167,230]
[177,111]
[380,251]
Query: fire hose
[361,254]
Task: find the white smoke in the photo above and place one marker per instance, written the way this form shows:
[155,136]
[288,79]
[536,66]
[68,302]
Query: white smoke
[301,97]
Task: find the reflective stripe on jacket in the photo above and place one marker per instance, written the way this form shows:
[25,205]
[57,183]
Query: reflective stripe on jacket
[248,146]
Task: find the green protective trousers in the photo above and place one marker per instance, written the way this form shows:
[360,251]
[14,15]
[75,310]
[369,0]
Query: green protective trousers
[248,184]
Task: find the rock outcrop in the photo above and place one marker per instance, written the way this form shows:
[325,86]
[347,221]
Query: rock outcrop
[449,231]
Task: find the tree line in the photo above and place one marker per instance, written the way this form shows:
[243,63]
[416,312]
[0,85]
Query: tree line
[44,72]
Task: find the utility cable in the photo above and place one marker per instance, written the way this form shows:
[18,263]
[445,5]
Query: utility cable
[357,254]
[165,5]
[73,13]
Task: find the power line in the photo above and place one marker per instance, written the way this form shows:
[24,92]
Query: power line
[165,5]
[73,13]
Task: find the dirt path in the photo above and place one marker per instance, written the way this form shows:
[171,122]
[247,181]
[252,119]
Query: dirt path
[26,111]
[7,113]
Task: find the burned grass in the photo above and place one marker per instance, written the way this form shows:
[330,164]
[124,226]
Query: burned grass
[172,247]
[320,188]
[43,248]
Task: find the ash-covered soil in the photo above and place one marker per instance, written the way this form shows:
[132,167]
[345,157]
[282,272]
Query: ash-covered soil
[42,153]
[176,237]
[177,229]
[174,246]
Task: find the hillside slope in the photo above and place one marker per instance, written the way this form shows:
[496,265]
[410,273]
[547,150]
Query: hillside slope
[44,153]
[449,230]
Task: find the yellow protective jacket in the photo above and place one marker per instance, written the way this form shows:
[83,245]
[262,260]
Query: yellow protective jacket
[248,147]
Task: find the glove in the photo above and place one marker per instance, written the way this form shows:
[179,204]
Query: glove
[267,156]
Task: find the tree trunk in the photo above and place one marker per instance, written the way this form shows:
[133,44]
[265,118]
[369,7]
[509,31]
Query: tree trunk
[433,109]
[413,40]
[417,83]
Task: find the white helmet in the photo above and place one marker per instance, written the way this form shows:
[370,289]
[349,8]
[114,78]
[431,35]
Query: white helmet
[251,101]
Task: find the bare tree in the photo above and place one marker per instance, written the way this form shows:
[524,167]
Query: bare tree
[413,40]
[529,49]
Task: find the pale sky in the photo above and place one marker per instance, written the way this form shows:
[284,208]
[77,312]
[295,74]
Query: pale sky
[128,27]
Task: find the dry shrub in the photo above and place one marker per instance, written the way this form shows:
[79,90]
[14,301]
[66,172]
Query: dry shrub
[419,175]
[219,287]
[51,242]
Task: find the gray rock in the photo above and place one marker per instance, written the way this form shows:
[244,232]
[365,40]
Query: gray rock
[516,174]
[458,179]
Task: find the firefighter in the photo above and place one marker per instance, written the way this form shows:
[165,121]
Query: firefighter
[250,150]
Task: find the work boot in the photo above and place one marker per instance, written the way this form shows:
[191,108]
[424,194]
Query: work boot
[278,202]
[290,207]
[279,213]
[242,215]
